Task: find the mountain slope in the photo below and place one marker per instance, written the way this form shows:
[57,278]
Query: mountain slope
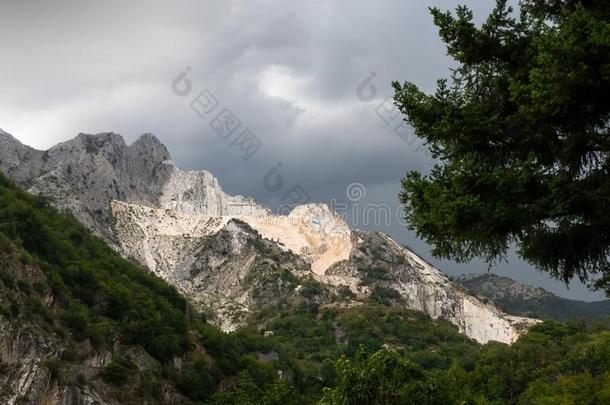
[71,307]
[184,228]
[522,300]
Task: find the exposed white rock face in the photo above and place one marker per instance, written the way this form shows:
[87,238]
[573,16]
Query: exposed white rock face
[162,238]
[312,231]
[198,192]
[433,293]
[84,174]
[378,262]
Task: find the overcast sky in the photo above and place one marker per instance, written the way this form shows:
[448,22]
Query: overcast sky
[294,73]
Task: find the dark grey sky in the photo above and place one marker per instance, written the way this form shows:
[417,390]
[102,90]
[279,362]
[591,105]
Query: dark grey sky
[289,71]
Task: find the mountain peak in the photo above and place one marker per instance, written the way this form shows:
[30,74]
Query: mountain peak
[150,144]
[149,138]
[146,144]
[110,137]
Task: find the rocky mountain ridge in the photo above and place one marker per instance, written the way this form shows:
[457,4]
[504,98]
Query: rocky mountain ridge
[519,299]
[84,174]
[210,245]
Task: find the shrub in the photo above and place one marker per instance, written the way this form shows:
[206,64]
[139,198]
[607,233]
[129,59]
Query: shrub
[310,288]
[119,371]
[384,295]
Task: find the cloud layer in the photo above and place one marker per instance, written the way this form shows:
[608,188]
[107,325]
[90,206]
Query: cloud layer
[288,71]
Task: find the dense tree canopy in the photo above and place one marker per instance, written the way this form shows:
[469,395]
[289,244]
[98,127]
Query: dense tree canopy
[554,363]
[521,137]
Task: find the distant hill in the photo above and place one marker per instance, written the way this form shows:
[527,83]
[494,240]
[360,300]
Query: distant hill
[519,299]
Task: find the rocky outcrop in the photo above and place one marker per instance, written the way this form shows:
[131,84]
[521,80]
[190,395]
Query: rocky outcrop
[210,257]
[496,288]
[18,161]
[396,275]
[198,192]
[223,250]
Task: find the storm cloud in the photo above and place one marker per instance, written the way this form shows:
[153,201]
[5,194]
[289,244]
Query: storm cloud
[309,79]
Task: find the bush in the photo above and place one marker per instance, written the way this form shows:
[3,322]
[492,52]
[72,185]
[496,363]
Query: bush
[372,274]
[196,379]
[345,293]
[311,288]
[119,371]
[384,295]
[7,279]
[151,387]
